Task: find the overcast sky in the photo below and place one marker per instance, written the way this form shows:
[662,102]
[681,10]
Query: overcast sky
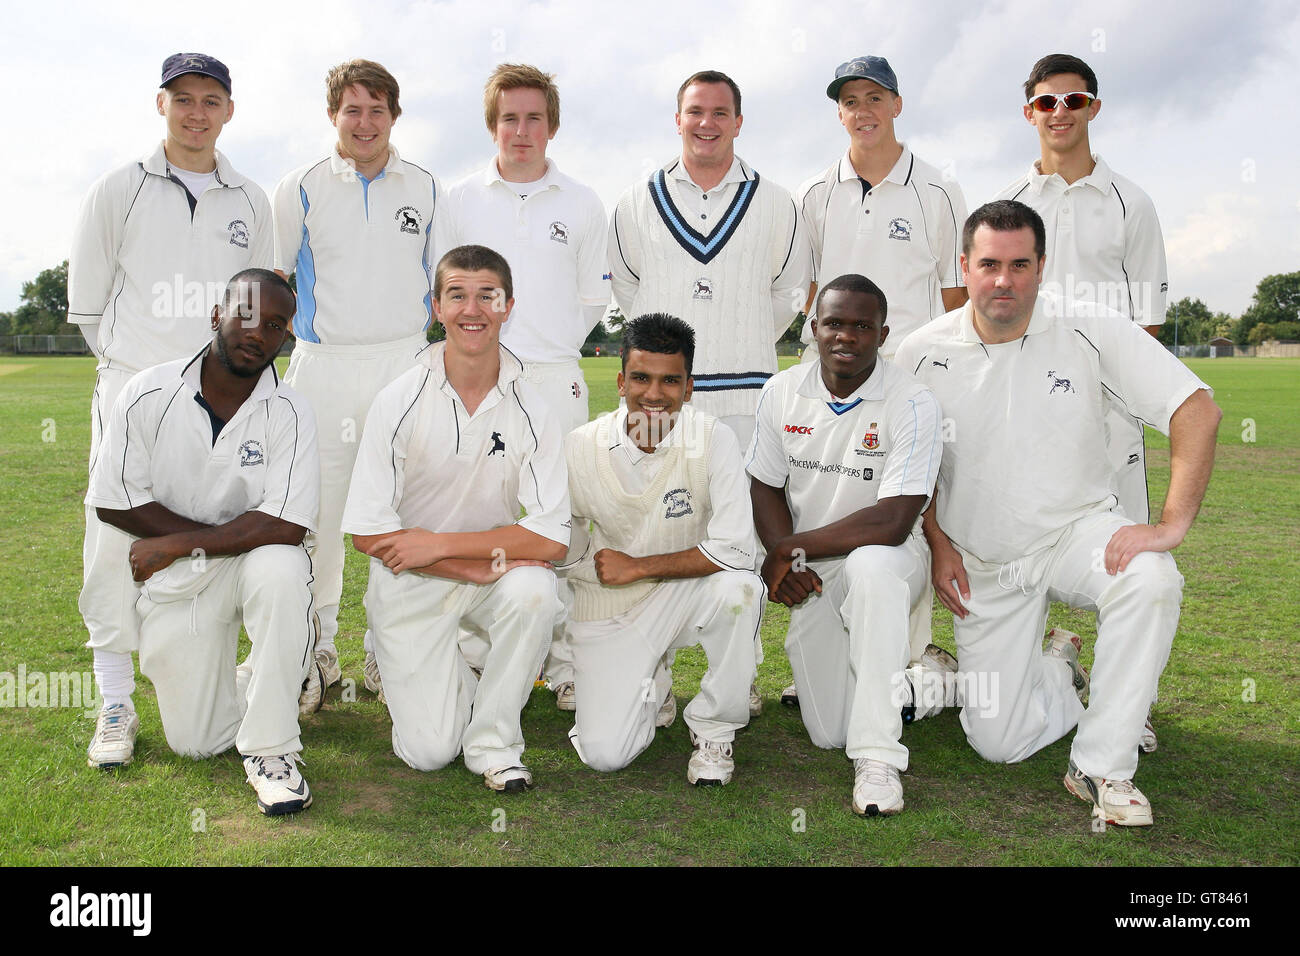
[1200,100]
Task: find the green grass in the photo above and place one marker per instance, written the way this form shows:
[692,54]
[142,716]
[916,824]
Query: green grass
[1222,782]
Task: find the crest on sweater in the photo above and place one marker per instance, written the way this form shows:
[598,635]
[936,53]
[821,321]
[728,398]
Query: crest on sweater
[699,247]
[678,502]
[703,288]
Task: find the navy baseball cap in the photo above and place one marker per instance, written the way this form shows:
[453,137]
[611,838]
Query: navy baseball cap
[873,68]
[178,64]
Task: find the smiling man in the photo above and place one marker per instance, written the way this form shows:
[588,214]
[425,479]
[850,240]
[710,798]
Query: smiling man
[154,243]
[1025,509]
[667,564]
[209,464]
[454,451]
[845,456]
[357,228]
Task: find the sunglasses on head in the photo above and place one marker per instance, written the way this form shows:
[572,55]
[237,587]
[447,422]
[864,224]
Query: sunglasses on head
[1047,102]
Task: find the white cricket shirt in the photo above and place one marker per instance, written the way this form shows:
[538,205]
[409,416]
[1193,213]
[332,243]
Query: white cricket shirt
[362,249]
[904,234]
[158,446]
[425,462]
[1104,242]
[148,271]
[554,242]
[1025,451]
[843,455]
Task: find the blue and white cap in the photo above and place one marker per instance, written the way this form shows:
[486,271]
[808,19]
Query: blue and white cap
[873,68]
[178,64]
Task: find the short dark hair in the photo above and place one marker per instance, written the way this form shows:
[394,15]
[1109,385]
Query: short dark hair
[1004,215]
[661,333]
[709,76]
[368,75]
[259,276]
[1055,63]
[853,282]
[473,259]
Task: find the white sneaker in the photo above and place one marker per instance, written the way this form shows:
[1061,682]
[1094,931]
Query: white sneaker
[1121,803]
[566,698]
[755,701]
[711,764]
[328,659]
[280,787]
[790,696]
[1066,645]
[877,790]
[510,779]
[312,695]
[370,673]
[114,742]
[1147,743]
[667,712]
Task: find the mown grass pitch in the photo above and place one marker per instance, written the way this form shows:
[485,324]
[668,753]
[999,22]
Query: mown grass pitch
[1222,783]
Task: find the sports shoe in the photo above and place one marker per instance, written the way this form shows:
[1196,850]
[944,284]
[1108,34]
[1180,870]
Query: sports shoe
[328,659]
[667,712]
[370,673]
[790,696]
[1147,743]
[312,695]
[936,658]
[510,779]
[1066,645]
[280,787]
[877,790]
[755,701]
[114,742]
[711,764]
[1118,801]
[566,697]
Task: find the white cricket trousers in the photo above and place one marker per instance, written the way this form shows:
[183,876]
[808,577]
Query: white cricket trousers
[189,634]
[438,706]
[616,660]
[1018,700]
[341,382]
[849,648]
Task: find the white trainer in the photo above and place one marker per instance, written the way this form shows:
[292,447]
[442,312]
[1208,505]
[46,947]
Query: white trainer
[755,701]
[877,790]
[1066,645]
[711,765]
[328,659]
[509,779]
[667,712]
[280,787]
[1121,803]
[370,673]
[790,696]
[566,697]
[114,742]
[1147,742]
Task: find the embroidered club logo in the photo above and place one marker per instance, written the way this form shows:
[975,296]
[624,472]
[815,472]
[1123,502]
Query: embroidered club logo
[559,233]
[703,289]
[238,233]
[250,453]
[498,445]
[679,503]
[872,438]
[576,389]
[408,220]
[900,228]
[1062,383]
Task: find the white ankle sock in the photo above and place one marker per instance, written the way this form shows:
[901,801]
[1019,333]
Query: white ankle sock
[115,678]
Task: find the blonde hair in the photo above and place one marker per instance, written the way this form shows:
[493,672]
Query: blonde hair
[367,74]
[517,76]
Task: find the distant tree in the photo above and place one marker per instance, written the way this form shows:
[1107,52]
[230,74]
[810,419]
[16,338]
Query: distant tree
[614,320]
[1277,299]
[1195,323]
[44,306]
[795,331]
[598,335]
[1281,331]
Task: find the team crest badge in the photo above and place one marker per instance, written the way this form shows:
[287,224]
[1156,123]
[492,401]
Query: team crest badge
[900,228]
[872,438]
[408,220]
[559,233]
[679,503]
[1059,383]
[238,233]
[703,289]
[250,453]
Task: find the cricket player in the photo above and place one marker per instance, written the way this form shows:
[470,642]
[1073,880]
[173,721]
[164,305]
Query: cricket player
[552,229]
[209,465]
[844,459]
[1104,242]
[668,562]
[453,453]
[881,211]
[357,229]
[154,244]
[1026,513]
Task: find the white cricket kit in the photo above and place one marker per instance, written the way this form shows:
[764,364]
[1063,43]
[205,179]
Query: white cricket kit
[159,446]
[904,234]
[554,241]
[849,645]
[732,262]
[362,252]
[689,492]
[1104,245]
[1027,496]
[144,272]
[425,462]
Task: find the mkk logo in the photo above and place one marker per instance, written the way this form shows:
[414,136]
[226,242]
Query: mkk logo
[679,503]
[250,453]
[800,429]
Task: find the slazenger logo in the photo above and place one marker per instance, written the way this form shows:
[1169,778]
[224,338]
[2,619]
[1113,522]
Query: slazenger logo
[75,908]
[408,220]
[800,429]
[250,453]
[238,233]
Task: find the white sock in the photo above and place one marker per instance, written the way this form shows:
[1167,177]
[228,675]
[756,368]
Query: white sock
[115,678]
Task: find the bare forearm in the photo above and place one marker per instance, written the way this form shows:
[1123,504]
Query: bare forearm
[149,521]
[512,541]
[954,298]
[253,529]
[772,518]
[887,523]
[690,563]
[1193,430]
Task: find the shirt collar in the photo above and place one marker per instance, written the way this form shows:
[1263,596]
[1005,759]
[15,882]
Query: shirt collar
[1046,306]
[634,453]
[266,385]
[433,358]
[1101,178]
[156,163]
[492,175]
[900,174]
[872,390]
[739,172]
[345,167]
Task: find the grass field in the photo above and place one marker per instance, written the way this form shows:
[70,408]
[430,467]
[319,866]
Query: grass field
[1222,783]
